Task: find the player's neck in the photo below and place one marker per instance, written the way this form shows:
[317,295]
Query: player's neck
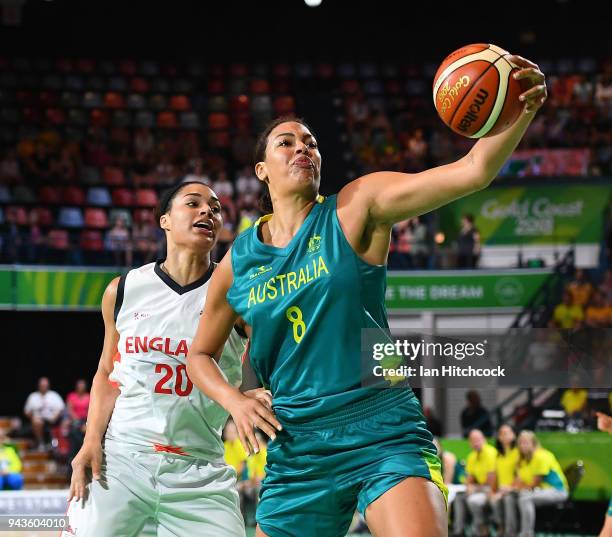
[289,215]
[185,267]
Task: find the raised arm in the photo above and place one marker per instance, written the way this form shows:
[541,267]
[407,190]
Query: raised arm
[216,323]
[370,205]
[102,400]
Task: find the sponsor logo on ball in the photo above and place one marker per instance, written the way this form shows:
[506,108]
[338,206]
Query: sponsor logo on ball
[448,94]
[473,111]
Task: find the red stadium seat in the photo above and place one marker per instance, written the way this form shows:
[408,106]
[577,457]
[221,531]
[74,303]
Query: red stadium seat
[96,218]
[216,86]
[50,195]
[281,85]
[218,121]
[167,120]
[259,86]
[55,116]
[44,216]
[91,240]
[146,197]
[139,85]
[284,105]
[239,70]
[114,100]
[113,176]
[219,139]
[240,104]
[48,98]
[282,70]
[350,86]
[180,103]
[142,215]
[58,239]
[17,214]
[127,67]
[73,195]
[99,118]
[85,66]
[122,197]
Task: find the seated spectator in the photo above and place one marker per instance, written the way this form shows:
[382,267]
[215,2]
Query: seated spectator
[475,416]
[10,465]
[222,186]
[235,455]
[468,243]
[44,410]
[567,315]
[195,172]
[256,464]
[419,247]
[539,481]
[118,242]
[247,183]
[598,314]
[574,401]
[505,470]
[77,405]
[451,467]
[480,472]
[144,238]
[401,258]
[580,288]
[9,167]
[606,287]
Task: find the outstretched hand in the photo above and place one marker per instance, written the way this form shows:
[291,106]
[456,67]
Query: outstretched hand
[536,95]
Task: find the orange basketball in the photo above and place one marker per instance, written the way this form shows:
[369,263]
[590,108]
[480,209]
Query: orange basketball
[475,93]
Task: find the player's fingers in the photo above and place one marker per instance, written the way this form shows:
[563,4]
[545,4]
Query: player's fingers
[253,440]
[269,417]
[520,61]
[530,73]
[95,467]
[266,428]
[265,397]
[536,92]
[243,440]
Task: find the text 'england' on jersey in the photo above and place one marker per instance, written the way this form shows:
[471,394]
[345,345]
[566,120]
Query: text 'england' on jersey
[159,409]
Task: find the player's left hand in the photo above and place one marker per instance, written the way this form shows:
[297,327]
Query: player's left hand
[261,394]
[536,95]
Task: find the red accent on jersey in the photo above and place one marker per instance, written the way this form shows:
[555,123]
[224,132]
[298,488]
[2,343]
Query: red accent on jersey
[177,450]
[245,354]
[116,358]
[136,344]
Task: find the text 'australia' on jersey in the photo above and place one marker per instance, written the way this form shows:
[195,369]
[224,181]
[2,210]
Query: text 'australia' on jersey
[307,303]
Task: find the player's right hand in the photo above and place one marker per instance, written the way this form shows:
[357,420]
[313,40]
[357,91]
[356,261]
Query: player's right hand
[89,456]
[249,412]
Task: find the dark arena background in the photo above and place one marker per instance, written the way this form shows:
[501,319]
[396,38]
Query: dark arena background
[105,104]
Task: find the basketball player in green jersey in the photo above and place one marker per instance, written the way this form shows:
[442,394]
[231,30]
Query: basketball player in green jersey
[307,279]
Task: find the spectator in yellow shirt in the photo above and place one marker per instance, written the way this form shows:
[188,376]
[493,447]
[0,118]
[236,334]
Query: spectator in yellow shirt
[574,401]
[568,315]
[505,472]
[235,455]
[480,471]
[580,288]
[256,470]
[539,481]
[598,314]
[10,465]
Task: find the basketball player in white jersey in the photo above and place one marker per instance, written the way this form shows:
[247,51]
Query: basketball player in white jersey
[153,441]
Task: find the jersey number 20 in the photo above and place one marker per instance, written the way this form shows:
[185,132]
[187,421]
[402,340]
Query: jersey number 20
[168,370]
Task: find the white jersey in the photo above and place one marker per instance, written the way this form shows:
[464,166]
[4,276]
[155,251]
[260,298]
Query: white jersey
[158,408]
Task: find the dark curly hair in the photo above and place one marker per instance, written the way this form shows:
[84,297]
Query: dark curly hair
[265,202]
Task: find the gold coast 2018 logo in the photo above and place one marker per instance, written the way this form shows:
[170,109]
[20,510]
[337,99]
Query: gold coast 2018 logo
[314,244]
[448,94]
